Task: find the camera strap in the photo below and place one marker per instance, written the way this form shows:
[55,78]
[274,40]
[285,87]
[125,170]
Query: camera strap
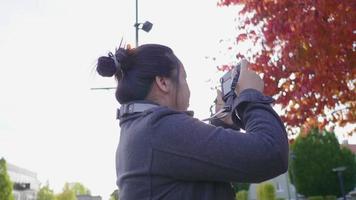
[226,110]
[131,108]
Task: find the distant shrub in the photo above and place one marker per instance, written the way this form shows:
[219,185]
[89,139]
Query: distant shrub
[330,197]
[242,195]
[315,198]
[266,191]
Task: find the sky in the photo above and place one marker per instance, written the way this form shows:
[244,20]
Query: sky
[51,122]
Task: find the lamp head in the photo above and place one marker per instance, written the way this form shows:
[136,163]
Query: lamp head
[339,169]
[147,26]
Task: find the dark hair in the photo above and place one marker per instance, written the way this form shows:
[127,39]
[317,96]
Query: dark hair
[136,69]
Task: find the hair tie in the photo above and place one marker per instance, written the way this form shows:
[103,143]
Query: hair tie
[117,64]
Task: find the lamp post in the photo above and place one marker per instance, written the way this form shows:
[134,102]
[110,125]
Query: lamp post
[136,23]
[147,26]
[288,188]
[339,171]
[292,156]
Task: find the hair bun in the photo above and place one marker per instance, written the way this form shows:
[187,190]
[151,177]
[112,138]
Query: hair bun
[106,66]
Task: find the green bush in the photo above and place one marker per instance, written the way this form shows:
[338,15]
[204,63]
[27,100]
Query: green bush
[259,192]
[240,186]
[242,195]
[266,191]
[315,198]
[330,197]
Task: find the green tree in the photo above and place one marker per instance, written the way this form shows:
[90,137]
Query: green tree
[79,189]
[45,193]
[5,182]
[114,195]
[67,194]
[316,154]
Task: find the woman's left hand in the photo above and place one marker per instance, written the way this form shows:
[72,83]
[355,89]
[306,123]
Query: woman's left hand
[219,104]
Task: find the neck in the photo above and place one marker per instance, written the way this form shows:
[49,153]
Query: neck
[162,100]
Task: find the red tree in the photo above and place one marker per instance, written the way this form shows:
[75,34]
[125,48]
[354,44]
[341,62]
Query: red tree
[307,56]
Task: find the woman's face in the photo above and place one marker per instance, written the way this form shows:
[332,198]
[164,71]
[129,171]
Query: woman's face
[182,91]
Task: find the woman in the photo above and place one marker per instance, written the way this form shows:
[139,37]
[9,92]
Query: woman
[164,153]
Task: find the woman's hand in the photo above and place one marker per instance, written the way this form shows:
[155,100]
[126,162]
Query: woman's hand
[248,79]
[219,104]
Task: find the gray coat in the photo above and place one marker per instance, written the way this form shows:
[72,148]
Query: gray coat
[165,154]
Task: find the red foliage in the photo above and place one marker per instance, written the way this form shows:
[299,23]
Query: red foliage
[315,69]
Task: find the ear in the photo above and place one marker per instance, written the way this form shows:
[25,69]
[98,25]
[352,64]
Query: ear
[164,84]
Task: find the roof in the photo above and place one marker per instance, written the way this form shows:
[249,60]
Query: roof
[19,170]
[352,147]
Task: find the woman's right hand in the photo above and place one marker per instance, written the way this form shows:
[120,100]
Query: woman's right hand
[248,79]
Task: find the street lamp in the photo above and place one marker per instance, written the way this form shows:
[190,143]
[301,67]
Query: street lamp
[293,156]
[339,171]
[147,26]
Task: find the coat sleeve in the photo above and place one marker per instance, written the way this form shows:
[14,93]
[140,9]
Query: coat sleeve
[188,149]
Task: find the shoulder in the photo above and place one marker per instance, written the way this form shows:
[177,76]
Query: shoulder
[165,122]
[171,124]
[163,114]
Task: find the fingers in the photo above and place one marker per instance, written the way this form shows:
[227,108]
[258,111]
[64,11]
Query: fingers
[244,65]
[219,100]
[243,71]
[219,95]
[219,103]
[248,79]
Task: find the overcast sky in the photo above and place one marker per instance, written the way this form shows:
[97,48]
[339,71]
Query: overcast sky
[50,121]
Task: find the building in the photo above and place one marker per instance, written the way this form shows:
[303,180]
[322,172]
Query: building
[284,189]
[26,184]
[352,147]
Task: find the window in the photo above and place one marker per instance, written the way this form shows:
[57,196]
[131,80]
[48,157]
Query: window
[279,187]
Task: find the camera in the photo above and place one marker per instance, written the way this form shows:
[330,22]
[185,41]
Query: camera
[228,84]
[229,81]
